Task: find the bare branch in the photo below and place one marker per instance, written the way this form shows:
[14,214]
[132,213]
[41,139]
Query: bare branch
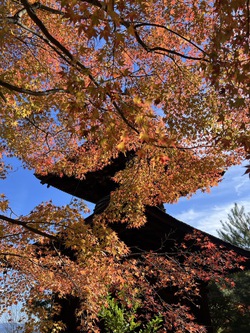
[172,31]
[37,5]
[51,10]
[163,49]
[248,19]
[3,97]
[95,3]
[26,226]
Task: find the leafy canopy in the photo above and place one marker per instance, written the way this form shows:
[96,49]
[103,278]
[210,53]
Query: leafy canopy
[82,81]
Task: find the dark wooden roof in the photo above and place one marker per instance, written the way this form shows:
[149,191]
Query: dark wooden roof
[162,232]
[95,185]
[160,228]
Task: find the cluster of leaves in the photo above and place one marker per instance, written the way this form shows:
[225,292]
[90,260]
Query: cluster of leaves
[169,285]
[52,255]
[52,251]
[117,319]
[82,81]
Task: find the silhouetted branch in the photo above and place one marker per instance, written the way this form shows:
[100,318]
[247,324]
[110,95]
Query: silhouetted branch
[28,227]
[30,92]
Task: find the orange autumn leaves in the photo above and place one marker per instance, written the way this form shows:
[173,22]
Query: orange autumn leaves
[89,73]
[82,81]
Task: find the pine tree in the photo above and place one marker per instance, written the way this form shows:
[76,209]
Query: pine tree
[230,307]
[237,229]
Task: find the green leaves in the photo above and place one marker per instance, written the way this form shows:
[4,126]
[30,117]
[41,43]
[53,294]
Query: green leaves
[237,229]
[118,318]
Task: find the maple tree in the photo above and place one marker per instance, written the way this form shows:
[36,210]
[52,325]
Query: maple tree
[86,80]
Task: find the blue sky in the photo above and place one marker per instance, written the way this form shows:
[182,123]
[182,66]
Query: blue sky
[203,211]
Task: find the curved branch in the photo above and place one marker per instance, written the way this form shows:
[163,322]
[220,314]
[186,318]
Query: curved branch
[16,19]
[36,5]
[248,19]
[55,42]
[46,41]
[38,22]
[163,49]
[31,92]
[3,97]
[126,24]
[142,24]
[26,226]
[96,3]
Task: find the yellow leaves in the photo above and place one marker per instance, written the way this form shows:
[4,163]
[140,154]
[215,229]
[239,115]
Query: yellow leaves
[137,100]
[124,141]
[121,146]
[51,275]
[139,119]
[4,203]
[80,97]
[144,137]
[57,327]
[104,143]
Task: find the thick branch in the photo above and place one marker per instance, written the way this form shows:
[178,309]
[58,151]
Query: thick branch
[95,3]
[46,41]
[30,92]
[248,19]
[54,41]
[16,19]
[51,10]
[55,44]
[27,227]
[37,5]
[38,22]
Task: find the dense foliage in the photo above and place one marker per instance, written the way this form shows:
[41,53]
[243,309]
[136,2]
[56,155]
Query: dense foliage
[80,83]
[117,319]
